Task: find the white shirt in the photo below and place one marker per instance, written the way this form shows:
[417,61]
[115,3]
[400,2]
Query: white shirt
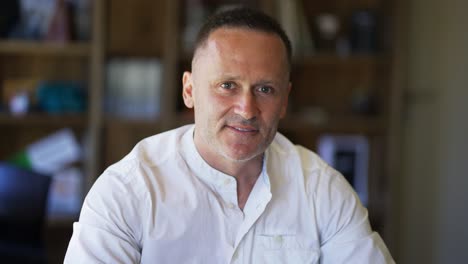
[164,204]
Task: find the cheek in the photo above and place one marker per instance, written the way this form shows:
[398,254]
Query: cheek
[273,109]
[217,105]
[210,107]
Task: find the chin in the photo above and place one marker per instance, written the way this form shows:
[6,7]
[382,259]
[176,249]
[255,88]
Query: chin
[237,156]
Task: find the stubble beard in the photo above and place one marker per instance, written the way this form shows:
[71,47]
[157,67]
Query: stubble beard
[219,147]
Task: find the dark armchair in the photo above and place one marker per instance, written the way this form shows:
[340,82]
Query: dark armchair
[23,201]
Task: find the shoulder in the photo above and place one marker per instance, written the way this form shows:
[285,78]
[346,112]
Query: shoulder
[316,172]
[304,162]
[308,159]
[339,218]
[328,192]
[159,148]
[136,170]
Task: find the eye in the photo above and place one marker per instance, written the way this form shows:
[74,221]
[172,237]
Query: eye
[265,89]
[227,85]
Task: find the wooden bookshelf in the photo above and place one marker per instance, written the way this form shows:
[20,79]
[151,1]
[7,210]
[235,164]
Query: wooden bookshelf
[50,61]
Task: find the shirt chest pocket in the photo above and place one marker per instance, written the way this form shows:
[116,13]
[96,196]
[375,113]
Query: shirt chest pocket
[273,249]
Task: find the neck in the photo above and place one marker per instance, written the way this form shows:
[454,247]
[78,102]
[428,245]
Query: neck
[246,172]
[241,170]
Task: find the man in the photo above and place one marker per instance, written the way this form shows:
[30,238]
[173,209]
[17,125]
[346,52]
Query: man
[229,189]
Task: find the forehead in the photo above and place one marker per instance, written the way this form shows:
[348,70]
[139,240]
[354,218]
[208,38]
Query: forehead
[241,33]
[243,45]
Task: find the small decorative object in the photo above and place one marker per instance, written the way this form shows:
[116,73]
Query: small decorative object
[35,16]
[61,24]
[18,95]
[363,102]
[326,29]
[349,154]
[364,32]
[19,103]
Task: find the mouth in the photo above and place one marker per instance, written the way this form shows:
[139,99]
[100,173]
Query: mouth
[243,129]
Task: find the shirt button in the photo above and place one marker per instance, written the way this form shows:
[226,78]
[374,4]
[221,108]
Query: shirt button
[235,256]
[278,239]
[231,205]
[227,182]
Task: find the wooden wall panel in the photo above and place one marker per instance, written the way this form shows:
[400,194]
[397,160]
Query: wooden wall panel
[136,28]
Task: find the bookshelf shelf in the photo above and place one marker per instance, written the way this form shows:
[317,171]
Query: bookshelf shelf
[336,124]
[20,47]
[333,59]
[135,122]
[40,119]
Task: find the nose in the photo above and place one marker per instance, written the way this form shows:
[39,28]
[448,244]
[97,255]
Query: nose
[246,106]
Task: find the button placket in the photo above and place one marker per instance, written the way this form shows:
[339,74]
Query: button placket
[235,256]
[228,191]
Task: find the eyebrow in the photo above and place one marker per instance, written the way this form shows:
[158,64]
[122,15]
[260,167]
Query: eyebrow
[237,77]
[266,82]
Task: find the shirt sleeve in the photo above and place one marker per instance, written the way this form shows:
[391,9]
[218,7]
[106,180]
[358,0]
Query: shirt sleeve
[109,228]
[345,232]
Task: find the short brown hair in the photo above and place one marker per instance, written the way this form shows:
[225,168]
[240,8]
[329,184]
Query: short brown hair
[243,17]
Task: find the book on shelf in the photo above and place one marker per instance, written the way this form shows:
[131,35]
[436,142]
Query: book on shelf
[133,88]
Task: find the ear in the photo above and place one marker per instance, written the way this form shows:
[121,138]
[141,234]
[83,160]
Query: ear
[187,89]
[285,103]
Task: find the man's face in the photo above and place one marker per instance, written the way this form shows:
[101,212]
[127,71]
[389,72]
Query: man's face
[239,89]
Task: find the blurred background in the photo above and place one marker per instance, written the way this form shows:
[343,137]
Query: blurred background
[379,90]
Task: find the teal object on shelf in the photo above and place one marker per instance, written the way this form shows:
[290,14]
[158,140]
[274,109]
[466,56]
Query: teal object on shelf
[59,97]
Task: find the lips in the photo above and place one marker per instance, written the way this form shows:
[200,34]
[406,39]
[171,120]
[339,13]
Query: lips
[243,129]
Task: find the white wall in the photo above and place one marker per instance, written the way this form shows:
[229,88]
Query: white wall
[434,184]
[452,235]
